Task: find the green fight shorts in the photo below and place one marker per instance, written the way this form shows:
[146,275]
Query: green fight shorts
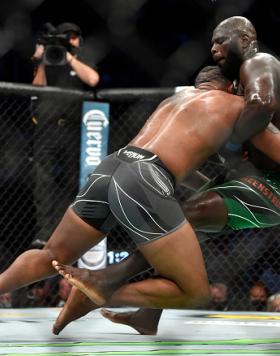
[252,201]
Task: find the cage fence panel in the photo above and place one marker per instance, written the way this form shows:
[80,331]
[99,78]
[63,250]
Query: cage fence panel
[40,150]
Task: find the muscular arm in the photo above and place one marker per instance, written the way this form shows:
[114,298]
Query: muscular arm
[259,82]
[268,141]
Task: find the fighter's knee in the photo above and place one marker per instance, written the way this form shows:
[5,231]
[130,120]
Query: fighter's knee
[202,298]
[55,251]
[196,298]
[59,253]
[204,202]
[50,253]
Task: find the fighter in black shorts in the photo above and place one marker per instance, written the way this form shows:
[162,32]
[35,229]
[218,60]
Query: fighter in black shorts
[111,196]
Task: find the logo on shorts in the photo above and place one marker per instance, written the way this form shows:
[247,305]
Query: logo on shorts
[134,155]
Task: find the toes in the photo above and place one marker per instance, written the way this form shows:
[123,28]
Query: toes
[54,263]
[55,330]
[105,312]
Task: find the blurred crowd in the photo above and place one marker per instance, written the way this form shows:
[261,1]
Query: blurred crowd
[52,292]
[258,298]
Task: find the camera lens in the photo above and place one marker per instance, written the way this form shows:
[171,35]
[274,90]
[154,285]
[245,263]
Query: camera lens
[55,55]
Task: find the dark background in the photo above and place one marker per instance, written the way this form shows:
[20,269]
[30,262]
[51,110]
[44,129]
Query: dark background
[134,43]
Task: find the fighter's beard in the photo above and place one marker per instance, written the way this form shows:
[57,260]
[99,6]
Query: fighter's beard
[230,68]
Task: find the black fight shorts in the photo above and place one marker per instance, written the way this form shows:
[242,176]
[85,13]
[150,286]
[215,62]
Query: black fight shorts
[131,187]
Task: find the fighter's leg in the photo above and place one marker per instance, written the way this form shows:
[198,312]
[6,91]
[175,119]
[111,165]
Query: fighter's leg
[177,258]
[183,282]
[145,321]
[78,304]
[206,212]
[69,241]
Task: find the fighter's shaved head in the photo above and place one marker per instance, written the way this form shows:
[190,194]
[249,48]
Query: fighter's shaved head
[209,74]
[233,41]
[240,25]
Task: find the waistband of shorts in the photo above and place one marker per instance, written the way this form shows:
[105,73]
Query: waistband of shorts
[132,154]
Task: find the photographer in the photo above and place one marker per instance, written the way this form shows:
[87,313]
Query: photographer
[74,73]
[57,120]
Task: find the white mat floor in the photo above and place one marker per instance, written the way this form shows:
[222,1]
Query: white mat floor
[28,332]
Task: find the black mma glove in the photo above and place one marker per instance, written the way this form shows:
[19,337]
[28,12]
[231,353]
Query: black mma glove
[236,163]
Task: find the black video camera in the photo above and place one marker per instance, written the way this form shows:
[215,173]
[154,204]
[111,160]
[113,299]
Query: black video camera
[56,46]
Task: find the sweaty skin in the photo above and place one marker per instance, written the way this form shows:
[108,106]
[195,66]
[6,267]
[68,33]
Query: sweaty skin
[192,124]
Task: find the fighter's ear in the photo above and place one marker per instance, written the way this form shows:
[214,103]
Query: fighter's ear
[245,40]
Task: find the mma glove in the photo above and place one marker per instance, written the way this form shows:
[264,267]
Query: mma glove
[236,162]
[231,154]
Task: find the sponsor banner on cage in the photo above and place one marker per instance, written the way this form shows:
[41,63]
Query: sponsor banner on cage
[94,147]
[94,137]
[95,258]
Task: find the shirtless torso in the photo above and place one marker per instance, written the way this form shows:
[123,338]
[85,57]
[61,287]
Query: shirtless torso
[189,127]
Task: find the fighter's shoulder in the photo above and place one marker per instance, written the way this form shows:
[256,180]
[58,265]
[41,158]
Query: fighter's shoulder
[219,97]
[233,99]
[217,94]
[259,60]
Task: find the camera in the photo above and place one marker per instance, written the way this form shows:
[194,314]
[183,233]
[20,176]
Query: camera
[56,46]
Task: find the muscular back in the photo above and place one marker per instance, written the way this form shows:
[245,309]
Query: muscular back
[189,127]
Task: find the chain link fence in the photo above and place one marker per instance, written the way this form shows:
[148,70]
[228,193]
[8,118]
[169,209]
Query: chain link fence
[40,149]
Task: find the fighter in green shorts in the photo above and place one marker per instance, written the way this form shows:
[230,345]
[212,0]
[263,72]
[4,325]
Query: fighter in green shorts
[251,201]
[249,196]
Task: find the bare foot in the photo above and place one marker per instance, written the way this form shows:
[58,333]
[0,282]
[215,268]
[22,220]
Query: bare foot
[76,306]
[92,283]
[145,321]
